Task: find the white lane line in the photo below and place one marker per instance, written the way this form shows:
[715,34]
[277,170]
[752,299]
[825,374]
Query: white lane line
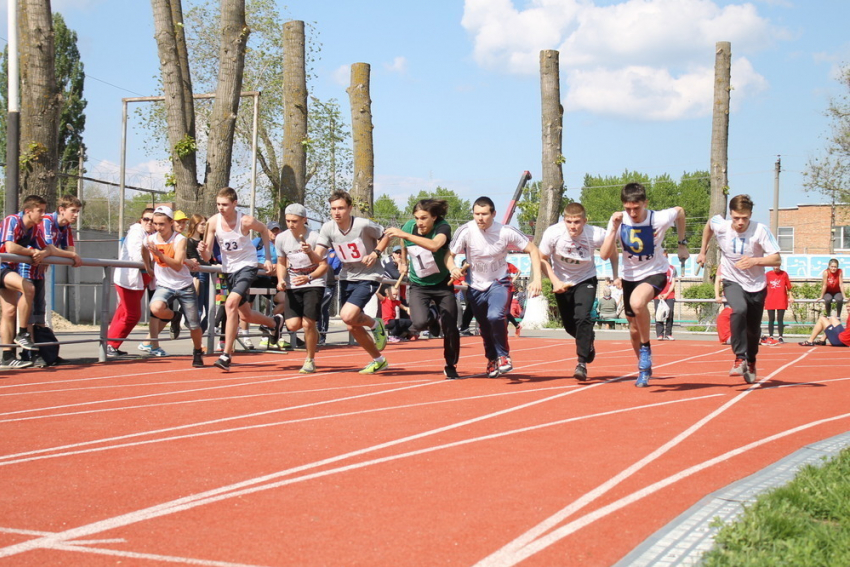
[250,485]
[583,521]
[263,483]
[505,556]
[148,556]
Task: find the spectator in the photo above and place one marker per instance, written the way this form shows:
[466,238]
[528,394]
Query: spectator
[130,285]
[398,328]
[664,328]
[608,308]
[778,300]
[833,330]
[832,289]
[267,281]
[180,222]
[197,230]
[22,235]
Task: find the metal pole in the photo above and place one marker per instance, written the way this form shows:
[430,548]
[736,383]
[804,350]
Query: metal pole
[774,218]
[254,153]
[122,173]
[77,245]
[104,313]
[13,119]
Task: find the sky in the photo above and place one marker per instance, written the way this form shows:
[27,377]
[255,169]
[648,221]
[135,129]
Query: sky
[455,86]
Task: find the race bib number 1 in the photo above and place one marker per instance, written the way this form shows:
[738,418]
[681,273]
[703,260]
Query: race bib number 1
[423,261]
[351,252]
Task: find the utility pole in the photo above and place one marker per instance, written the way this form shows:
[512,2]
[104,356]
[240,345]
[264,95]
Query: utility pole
[774,218]
[13,119]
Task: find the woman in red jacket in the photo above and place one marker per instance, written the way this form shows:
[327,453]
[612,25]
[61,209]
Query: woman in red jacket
[777,301]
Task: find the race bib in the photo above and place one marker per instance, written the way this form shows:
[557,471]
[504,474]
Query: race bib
[230,245]
[423,261]
[351,252]
[638,240]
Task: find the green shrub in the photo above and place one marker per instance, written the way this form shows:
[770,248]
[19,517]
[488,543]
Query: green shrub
[805,312]
[705,311]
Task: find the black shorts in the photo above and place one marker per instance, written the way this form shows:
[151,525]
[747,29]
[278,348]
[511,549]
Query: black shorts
[304,302]
[241,281]
[357,292]
[3,273]
[658,281]
[832,333]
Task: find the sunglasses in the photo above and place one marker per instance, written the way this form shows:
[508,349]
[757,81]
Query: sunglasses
[147,219]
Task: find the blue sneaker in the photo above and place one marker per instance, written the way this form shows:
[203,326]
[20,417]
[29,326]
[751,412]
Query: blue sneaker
[645,359]
[643,379]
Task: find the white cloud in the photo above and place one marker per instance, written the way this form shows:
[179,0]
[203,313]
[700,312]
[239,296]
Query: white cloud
[642,58]
[342,75]
[399,65]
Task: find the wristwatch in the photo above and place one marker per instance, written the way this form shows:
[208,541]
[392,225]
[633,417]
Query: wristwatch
[683,242]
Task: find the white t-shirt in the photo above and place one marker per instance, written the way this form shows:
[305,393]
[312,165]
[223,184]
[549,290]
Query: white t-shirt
[756,242]
[131,251]
[298,262]
[641,243]
[166,276]
[237,249]
[572,258]
[352,245]
[486,251]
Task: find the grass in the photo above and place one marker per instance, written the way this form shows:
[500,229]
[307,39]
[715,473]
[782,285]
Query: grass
[803,524]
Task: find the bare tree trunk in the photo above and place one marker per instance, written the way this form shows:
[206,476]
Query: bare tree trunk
[231,59]
[41,102]
[719,144]
[553,128]
[179,104]
[363,184]
[294,156]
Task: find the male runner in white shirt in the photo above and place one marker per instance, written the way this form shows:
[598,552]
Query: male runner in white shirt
[746,248]
[569,245]
[239,262]
[640,232]
[358,243]
[485,243]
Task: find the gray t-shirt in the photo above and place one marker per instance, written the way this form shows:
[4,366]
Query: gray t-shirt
[352,246]
[298,263]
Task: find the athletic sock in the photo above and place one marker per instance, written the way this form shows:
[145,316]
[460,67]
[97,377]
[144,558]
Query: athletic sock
[374,324]
[647,345]
[380,359]
[22,331]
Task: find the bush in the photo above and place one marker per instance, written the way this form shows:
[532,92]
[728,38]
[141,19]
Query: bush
[705,311]
[805,312]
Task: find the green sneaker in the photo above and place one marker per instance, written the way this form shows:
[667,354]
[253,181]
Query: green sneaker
[375,366]
[308,368]
[282,345]
[379,333]
[264,342]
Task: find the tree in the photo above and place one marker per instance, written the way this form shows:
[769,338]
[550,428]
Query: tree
[41,102]
[529,205]
[294,174]
[363,185]
[719,143]
[830,173]
[387,213]
[460,210]
[549,194]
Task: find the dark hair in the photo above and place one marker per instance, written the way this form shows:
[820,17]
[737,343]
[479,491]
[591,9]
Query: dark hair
[831,260]
[147,210]
[633,193]
[68,200]
[32,201]
[228,193]
[485,202]
[434,207]
[741,203]
[575,210]
[340,194]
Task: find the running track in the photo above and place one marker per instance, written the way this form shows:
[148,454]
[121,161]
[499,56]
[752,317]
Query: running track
[156,463]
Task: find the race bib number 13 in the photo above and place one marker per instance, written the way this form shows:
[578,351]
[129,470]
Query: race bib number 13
[350,252]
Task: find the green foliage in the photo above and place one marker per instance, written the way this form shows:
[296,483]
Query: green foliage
[805,523]
[529,205]
[186,146]
[554,314]
[705,311]
[31,154]
[460,210]
[829,174]
[386,213]
[804,312]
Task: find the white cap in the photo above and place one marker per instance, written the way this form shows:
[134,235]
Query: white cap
[295,209]
[163,210]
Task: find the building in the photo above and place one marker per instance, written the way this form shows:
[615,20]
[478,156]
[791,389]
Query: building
[814,229]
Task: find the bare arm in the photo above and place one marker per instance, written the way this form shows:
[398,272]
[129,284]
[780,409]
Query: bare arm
[609,246]
[535,286]
[706,237]
[205,248]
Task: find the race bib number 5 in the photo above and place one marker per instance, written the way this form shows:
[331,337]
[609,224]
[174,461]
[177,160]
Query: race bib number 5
[639,240]
[351,252]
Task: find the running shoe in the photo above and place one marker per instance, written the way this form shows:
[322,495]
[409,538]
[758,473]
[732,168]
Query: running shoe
[580,372]
[780,341]
[220,346]
[451,373]
[505,364]
[145,348]
[198,358]
[750,373]
[739,368]
[282,345]
[379,333]
[112,352]
[14,364]
[659,338]
[394,340]
[465,333]
[376,366]
[24,341]
[645,359]
[643,379]
[768,341]
[492,369]
[264,342]
[309,367]
[157,352]
[223,362]
[175,325]
[248,343]
[669,338]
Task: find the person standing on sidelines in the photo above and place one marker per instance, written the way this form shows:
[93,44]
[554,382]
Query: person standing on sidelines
[746,247]
[358,243]
[664,327]
[778,300]
[485,243]
[166,249]
[569,246]
[301,273]
[832,288]
[640,232]
[232,231]
[425,241]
